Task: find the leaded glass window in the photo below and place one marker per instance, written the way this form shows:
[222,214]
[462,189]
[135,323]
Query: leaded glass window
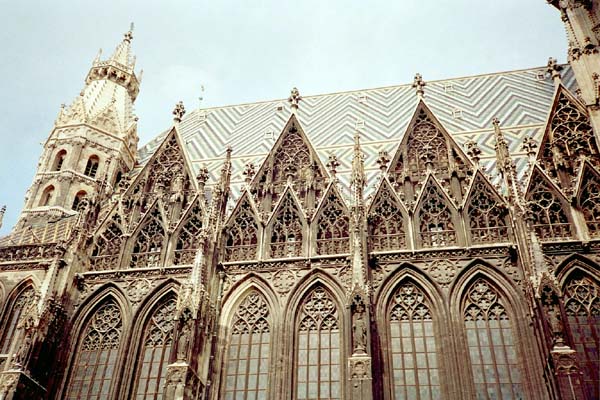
[248,356]
[318,348]
[156,348]
[582,306]
[11,318]
[491,343]
[93,367]
[415,373]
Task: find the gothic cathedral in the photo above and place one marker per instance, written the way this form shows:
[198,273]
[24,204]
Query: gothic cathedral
[436,240]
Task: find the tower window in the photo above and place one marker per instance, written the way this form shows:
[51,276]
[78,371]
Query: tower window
[78,197]
[47,196]
[59,160]
[92,166]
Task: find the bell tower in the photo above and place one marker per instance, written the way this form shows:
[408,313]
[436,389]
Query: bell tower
[93,141]
[582,24]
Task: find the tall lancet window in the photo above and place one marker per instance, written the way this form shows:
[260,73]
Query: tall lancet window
[94,362]
[415,373]
[318,348]
[247,368]
[11,317]
[156,348]
[491,342]
[582,305]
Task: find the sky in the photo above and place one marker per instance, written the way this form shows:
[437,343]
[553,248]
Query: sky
[242,52]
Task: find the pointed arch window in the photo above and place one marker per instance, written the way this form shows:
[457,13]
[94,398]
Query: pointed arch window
[242,235]
[149,242]
[188,240]
[47,196]
[415,371]
[107,250]
[386,224]
[590,204]
[12,315]
[155,351]
[91,168]
[78,197]
[248,356]
[550,220]
[436,228]
[59,160]
[491,344]
[286,232]
[582,306]
[333,228]
[318,348]
[486,215]
[93,367]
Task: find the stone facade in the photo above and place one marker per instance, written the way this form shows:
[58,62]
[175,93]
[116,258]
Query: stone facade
[433,271]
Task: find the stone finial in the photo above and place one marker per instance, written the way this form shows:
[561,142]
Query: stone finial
[249,172]
[530,147]
[473,151]
[202,176]
[2,211]
[553,68]
[129,34]
[332,164]
[179,111]
[294,99]
[419,85]
[383,160]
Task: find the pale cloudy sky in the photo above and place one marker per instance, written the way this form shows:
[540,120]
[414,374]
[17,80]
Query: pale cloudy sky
[244,51]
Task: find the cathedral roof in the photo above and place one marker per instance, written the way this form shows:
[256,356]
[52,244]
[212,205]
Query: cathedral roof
[465,106]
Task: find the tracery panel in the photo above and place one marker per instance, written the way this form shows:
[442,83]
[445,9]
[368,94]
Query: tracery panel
[386,224]
[415,372]
[12,315]
[582,306]
[242,235]
[590,204]
[436,228]
[155,351]
[187,239]
[318,348]
[248,355]
[550,220]
[286,231]
[149,243]
[93,366]
[333,228]
[486,215]
[491,343]
[107,249]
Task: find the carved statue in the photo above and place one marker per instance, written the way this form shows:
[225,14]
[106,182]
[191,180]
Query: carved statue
[359,329]
[183,342]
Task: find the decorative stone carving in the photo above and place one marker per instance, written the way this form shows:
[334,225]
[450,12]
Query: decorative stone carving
[443,271]
[137,289]
[359,326]
[284,280]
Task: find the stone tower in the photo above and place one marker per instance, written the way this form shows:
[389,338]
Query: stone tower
[92,144]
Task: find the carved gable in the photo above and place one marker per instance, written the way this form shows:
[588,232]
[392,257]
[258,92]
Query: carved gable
[567,137]
[286,228]
[166,175]
[332,224]
[549,208]
[427,147]
[434,217]
[242,232]
[292,158]
[486,212]
[149,241]
[588,199]
[386,220]
[107,247]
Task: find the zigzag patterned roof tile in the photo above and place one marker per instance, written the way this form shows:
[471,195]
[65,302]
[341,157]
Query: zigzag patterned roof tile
[465,106]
